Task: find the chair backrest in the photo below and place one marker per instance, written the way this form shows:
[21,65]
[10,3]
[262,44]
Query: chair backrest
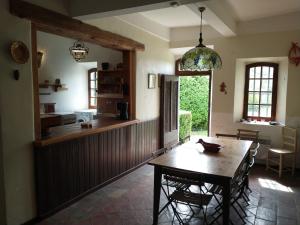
[229,136]
[183,176]
[289,138]
[244,134]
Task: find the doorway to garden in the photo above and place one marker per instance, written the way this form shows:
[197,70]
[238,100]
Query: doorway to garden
[194,106]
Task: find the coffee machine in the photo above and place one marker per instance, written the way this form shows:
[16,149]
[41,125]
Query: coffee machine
[123,110]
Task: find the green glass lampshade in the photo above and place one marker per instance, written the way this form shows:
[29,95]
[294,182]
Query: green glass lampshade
[200,58]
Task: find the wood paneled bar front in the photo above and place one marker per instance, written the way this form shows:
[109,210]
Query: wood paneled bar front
[69,168]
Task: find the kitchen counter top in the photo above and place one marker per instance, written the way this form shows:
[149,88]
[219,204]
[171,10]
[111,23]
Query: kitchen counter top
[48,115]
[72,131]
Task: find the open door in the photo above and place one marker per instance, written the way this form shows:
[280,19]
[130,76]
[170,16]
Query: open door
[169,111]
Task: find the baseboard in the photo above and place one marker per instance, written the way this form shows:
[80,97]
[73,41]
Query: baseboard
[32,221]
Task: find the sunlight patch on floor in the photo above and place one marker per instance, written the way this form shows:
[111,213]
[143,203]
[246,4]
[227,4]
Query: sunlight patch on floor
[274,185]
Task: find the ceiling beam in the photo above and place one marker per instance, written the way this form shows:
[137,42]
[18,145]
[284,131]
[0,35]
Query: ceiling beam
[92,9]
[147,25]
[53,22]
[218,15]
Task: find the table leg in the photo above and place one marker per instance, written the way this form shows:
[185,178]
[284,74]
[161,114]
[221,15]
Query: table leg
[156,196]
[226,202]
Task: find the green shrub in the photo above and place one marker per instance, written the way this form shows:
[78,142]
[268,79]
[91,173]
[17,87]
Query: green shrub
[185,124]
[194,95]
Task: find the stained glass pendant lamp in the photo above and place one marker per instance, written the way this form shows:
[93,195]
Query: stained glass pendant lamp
[79,51]
[200,57]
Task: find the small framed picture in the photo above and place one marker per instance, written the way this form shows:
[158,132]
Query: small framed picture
[151,80]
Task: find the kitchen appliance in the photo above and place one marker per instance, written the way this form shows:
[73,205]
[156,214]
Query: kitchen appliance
[85,115]
[123,110]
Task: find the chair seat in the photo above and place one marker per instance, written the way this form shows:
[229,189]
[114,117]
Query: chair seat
[281,151]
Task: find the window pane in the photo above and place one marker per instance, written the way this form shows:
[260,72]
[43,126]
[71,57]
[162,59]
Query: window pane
[250,110]
[93,101]
[251,75]
[93,84]
[265,111]
[270,98]
[270,85]
[265,71]
[251,85]
[269,111]
[93,93]
[271,72]
[256,98]
[264,85]
[93,76]
[257,72]
[255,110]
[257,85]
[250,98]
[266,98]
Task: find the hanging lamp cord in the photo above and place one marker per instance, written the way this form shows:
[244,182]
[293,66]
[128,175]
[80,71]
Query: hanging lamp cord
[201,9]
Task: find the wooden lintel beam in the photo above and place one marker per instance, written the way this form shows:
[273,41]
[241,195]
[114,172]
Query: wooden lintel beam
[50,21]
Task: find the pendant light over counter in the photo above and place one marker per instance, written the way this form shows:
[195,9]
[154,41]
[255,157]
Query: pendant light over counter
[200,57]
[79,51]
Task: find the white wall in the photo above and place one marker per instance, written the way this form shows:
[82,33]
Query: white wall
[250,46]
[16,107]
[2,191]
[58,63]
[16,111]
[155,59]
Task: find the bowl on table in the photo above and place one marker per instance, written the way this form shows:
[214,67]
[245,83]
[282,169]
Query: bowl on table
[209,147]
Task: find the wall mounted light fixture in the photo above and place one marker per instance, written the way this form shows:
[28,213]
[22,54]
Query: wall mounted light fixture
[39,58]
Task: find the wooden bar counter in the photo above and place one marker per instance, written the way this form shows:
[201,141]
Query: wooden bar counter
[75,161]
[72,131]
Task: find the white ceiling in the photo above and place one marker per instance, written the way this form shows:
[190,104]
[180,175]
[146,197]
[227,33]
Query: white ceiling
[227,17]
[180,16]
[244,10]
[222,18]
[247,10]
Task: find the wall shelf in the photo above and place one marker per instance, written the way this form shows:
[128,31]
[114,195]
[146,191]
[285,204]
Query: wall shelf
[56,87]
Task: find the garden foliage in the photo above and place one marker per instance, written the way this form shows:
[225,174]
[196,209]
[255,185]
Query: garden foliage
[194,93]
[185,124]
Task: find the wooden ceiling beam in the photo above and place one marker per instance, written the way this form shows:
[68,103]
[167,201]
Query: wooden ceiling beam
[53,22]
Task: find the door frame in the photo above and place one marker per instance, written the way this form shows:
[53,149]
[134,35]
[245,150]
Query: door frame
[181,73]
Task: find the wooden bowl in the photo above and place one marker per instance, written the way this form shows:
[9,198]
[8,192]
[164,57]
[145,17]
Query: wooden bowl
[212,149]
[209,147]
[19,52]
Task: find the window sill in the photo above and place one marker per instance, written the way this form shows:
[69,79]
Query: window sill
[260,123]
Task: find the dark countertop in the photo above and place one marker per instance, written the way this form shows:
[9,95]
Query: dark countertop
[72,131]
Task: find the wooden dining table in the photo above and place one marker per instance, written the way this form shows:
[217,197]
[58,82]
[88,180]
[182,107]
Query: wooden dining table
[215,168]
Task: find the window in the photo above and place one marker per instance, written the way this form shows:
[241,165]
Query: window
[92,86]
[260,91]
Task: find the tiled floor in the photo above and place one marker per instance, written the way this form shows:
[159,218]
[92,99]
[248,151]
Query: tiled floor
[128,201]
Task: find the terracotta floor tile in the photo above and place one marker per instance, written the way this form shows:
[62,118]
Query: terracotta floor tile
[128,201]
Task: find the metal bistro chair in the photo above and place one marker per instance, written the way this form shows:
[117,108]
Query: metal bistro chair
[239,185]
[168,181]
[186,202]
[245,134]
[289,148]
[251,135]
